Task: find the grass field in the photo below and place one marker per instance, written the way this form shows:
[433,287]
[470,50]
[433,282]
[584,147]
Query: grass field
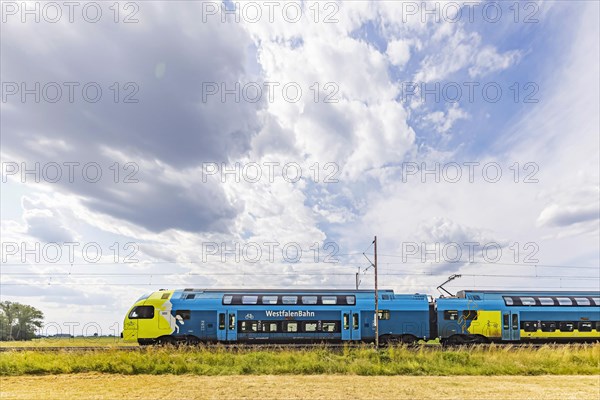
[103,386]
[482,360]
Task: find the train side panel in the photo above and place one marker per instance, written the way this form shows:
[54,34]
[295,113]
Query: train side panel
[519,317]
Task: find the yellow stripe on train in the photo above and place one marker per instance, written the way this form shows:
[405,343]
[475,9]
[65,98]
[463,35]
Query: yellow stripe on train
[559,334]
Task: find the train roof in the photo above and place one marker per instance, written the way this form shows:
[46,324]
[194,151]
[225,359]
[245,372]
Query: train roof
[243,290]
[463,293]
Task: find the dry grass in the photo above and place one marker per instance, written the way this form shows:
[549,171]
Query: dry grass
[104,386]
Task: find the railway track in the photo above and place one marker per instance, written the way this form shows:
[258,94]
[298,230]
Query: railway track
[237,347]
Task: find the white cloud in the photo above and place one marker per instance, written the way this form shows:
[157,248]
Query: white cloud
[488,60]
[398,52]
[442,122]
[453,49]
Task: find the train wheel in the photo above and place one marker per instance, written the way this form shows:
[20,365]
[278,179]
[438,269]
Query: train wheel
[454,340]
[166,341]
[192,341]
[408,339]
[389,340]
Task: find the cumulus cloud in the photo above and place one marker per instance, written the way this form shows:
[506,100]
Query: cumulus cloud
[398,52]
[172,124]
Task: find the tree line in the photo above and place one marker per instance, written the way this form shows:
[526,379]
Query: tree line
[19,321]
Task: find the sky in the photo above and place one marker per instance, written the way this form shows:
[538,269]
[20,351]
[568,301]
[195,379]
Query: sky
[156,144]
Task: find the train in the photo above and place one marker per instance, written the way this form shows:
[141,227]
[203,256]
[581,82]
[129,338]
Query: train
[194,316]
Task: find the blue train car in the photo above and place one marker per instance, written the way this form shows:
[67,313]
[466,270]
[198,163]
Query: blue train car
[276,316]
[518,316]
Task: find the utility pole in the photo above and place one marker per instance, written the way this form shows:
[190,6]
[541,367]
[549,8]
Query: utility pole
[374,265]
[376,298]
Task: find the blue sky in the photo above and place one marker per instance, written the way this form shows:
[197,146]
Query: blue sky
[158,220]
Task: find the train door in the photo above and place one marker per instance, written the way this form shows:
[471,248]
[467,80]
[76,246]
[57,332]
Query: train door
[222,326]
[355,326]
[346,332]
[510,326]
[231,325]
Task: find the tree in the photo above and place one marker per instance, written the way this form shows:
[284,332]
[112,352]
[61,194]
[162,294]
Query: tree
[19,321]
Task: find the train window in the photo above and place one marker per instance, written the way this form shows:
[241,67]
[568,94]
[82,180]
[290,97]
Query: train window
[289,299]
[582,301]
[221,321]
[310,327]
[249,299]
[564,301]
[505,322]
[528,301]
[354,321]
[329,327]
[469,314]
[270,327]
[346,322]
[291,326]
[384,314]
[227,299]
[527,326]
[309,299]
[231,321]
[548,326]
[451,315]
[248,326]
[546,301]
[598,326]
[269,299]
[329,300]
[585,327]
[350,300]
[385,296]
[142,312]
[566,326]
[596,300]
[515,322]
[184,314]
[508,301]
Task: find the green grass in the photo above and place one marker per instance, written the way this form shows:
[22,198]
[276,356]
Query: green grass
[484,360]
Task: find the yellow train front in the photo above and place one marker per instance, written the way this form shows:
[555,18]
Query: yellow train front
[150,320]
